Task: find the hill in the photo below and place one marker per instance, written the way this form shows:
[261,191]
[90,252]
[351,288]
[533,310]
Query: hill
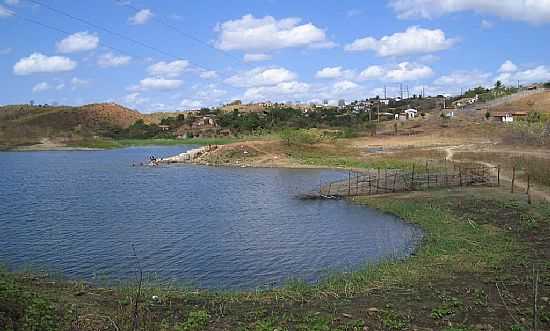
[25,124]
[539,102]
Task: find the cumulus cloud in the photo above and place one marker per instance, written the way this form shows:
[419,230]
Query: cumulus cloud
[533,11]
[40,63]
[168,69]
[530,75]
[78,42]
[135,99]
[268,33]
[41,87]
[335,73]
[208,74]
[407,71]
[414,40]
[344,86]
[191,104]
[5,12]
[372,72]
[257,57]
[141,17]
[77,82]
[464,79]
[486,25]
[508,66]
[292,89]
[109,60]
[261,77]
[12,2]
[156,83]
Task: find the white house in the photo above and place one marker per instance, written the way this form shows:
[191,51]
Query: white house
[411,113]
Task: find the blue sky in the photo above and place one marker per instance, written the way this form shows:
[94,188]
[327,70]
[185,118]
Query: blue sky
[186,54]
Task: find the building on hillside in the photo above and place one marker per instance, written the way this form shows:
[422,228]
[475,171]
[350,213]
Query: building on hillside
[507,117]
[341,103]
[466,101]
[411,113]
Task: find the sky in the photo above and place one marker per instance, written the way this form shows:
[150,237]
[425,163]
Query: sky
[174,55]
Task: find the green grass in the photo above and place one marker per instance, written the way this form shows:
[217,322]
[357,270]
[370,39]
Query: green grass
[112,144]
[460,237]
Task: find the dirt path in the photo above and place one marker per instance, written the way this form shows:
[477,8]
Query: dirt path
[521,185]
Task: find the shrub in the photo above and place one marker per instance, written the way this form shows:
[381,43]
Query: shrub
[300,136]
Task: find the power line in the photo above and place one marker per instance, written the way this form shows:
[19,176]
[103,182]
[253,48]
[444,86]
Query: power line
[167,24]
[130,39]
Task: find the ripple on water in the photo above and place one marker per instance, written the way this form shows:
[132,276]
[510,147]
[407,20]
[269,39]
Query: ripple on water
[80,213]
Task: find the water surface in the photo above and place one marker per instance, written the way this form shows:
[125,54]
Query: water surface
[79,213]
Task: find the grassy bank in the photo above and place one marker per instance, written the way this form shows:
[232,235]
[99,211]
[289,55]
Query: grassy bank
[112,144]
[474,239]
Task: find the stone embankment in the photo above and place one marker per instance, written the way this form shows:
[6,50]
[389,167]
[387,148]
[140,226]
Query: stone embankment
[191,156]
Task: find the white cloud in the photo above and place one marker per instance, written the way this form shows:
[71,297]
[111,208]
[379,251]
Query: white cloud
[344,86]
[414,40]
[508,66]
[77,82]
[141,17]
[372,72]
[533,75]
[486,25]
[209,74]
[268,33]
[168,69]
[135,99]
[191,104]
[407,71]
[335,73]
[78,42]
[5,12]
[108,60]
[40,63]
[261,77]
[12,2]
[291,89]
[41,87]
[464,79]
[159,84]
[533,11]
[257,57]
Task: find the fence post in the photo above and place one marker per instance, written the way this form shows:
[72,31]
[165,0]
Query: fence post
[370,184]
[513,178]
[378,181]
[498,175]
[528,183]
[460,175]
[385,179]
[357,185]
[394,180]
[349,183]
[412,178]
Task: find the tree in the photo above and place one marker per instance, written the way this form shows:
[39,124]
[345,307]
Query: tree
[487,115]
[498,85]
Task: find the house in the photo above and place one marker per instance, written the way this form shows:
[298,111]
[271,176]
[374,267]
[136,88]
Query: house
[164,127]
[507,117]
[411,113]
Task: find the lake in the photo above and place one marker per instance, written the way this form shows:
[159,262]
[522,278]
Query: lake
[80,214]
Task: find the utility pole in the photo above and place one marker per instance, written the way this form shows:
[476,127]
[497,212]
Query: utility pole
[385,93]
[408,95]
[401,90]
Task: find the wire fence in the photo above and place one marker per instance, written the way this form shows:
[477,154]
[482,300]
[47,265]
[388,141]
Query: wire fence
[383,181]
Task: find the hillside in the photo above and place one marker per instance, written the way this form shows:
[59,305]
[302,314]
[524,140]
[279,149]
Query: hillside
[532,103]
[25,124]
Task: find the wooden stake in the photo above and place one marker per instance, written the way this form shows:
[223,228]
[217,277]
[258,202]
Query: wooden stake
[498,176]
[513,178]
[349,183]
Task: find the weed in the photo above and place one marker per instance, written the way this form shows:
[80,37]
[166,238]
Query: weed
[196,321]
